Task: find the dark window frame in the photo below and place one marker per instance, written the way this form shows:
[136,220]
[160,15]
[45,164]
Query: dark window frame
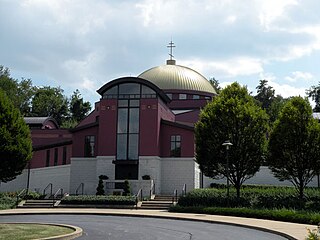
[64,155]
[127,134]
[175,146]
[56,152]
[48,158]
[89,150]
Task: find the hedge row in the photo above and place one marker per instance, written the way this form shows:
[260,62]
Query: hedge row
[285,215]
[7,200]
[253,197]
[99,200]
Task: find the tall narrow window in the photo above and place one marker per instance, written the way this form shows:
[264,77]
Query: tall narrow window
[55,163]
[128,129]
[89,146]
[64,156]
[175,146]
[48,158]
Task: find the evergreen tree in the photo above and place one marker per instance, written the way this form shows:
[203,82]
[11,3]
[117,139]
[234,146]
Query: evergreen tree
[15,140]
[100,188]
[126,188]
[314,93]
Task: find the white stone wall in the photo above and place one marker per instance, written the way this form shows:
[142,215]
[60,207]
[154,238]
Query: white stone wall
[151,166]
[83,170]
[263,177]
[175,173]
[59,176]
[88,170]
[19,183]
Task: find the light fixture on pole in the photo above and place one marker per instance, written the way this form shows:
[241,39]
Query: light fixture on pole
[227,144]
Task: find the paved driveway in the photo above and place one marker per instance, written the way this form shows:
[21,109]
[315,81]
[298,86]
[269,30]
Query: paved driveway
[142,228]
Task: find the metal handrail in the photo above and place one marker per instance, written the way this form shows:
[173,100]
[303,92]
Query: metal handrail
[19,195]
[138,197]
[175,196]
[152,190]
[81,186]
[56,194]
[184,190]
[45,189]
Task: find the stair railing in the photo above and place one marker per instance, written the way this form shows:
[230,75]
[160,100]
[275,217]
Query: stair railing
[138,197]
[184,190]
[175,196]
[60,190]
[46,188]
[23,191]
[152,190]
[80,187]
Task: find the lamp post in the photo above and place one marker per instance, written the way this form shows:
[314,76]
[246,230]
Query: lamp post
[227,144]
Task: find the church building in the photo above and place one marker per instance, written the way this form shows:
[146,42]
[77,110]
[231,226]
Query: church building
[141,129]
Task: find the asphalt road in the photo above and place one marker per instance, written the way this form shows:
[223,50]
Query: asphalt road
[134,228]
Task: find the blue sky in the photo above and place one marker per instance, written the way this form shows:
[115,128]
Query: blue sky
[82,44]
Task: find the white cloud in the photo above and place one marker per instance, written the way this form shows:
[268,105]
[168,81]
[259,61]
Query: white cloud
[272,10]
[239,66]
[231,19]
[286,90]
[299,76]
[79,43]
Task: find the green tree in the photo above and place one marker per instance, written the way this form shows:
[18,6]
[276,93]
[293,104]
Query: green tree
[20,93]
[78,108]
[232,115]
[8,84]
[50,101]
[275,108]
[25,93]
[265,94]
[215,84]
[314,93]
[15,140]
[294,145]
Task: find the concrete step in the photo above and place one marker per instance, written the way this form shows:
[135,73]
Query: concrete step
[37,204]
[159,202]
[154,207]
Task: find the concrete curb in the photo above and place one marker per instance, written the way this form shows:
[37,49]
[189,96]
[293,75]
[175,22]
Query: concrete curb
[77,232]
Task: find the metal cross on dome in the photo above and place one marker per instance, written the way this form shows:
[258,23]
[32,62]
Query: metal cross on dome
[171,46]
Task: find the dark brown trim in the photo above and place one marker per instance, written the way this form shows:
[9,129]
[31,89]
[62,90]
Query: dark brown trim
[117,81]
[84,127]
[52,145]
[126,162]
[175,124]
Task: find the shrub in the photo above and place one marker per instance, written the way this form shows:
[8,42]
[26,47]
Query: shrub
[126,188]
[103,177]
[269,197]
[100,188]
[146,177]
[7,200]
[33,195]
[286,215]
[100,200]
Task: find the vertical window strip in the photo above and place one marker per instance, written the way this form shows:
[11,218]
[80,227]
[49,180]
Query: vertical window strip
[175,146]
[55,163]
[48,158]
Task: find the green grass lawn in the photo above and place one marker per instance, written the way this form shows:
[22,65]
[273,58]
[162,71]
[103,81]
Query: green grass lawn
[26,231]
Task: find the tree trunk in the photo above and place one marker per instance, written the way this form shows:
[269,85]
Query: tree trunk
[238,186]
[301,195]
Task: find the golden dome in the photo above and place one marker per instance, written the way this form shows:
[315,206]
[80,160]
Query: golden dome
[171,76]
